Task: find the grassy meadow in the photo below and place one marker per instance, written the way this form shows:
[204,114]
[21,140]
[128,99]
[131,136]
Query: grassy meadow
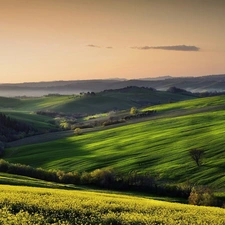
[89,104]
[158,146]
[29,205]
[201,104]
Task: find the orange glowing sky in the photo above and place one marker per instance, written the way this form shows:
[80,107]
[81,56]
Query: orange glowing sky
[43,40]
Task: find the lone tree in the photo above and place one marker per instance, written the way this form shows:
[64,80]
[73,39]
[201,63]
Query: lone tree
[197,155]
[133,111]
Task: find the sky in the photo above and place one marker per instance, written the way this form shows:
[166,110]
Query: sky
[45,40]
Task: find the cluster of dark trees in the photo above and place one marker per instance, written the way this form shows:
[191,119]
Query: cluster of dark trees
[130,88]
[11,129]
[210,94]
[197,94]
[59,114]
[179,91]
[140,115]
[112,121]
[87,94]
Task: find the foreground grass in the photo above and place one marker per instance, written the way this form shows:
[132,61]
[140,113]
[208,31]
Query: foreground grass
[24,205]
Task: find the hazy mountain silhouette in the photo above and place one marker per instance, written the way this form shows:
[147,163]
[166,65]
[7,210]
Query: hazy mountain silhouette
[210,83]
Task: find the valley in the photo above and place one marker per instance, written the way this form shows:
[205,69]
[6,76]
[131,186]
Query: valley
[128,147]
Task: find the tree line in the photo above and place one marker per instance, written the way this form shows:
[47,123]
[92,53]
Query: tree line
[103,178]
[110,179]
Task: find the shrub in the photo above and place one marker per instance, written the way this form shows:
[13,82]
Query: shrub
[201,196]
[2,147]
[85,178]
[133,111]
[4,166]
[103,177]
[78,131]
[68,178]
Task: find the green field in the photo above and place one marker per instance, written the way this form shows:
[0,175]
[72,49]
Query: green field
[86,104]
[201,104]
[26,205]
[159,146]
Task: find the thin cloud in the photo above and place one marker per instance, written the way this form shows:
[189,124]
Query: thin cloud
[109,47]
[170,48]
[93,46]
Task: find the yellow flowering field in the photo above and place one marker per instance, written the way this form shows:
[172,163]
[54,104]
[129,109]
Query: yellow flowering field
[29,205]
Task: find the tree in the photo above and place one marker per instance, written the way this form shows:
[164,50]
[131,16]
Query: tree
[197,155]
[78,131]
[1,148]
[133,111]
[201,196]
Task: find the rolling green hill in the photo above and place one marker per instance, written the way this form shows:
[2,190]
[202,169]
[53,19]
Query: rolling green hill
[158,146]
[91,104]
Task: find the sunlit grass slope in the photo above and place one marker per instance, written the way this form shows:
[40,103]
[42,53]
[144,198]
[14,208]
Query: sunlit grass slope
[34,104]
[157,146]
[48,206]
[207,104]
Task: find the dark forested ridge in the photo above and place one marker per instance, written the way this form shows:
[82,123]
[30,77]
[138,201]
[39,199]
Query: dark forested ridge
[11,129]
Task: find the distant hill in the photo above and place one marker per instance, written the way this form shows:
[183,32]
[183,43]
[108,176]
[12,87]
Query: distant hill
[208,83]
[94,102]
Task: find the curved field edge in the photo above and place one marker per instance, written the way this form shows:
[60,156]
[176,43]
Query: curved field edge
[47,206]
[13,179]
